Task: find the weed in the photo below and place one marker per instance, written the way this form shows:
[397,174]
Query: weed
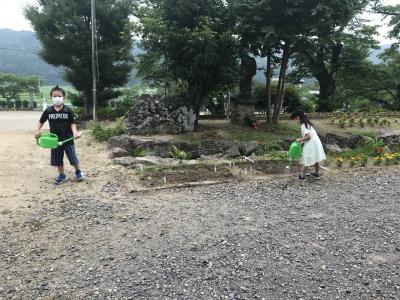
[180,154]
[139,152]
[102,133]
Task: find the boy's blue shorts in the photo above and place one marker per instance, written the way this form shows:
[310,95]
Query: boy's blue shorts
[57,155]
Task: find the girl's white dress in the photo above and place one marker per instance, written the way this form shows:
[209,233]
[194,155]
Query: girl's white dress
[313,151]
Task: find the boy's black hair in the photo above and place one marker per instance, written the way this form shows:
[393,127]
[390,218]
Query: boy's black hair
[57,88]
[303,118]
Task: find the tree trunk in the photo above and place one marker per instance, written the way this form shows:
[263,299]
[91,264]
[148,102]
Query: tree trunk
[243,104]
[281,84]
[396,104]
[326,97]
[195,92]
[268,76]
[248,70]
[197,107]
[31,106]
[327,79]
[88,108]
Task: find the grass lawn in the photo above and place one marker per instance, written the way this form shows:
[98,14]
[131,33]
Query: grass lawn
[267,136]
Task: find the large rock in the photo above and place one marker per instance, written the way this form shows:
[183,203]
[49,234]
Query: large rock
[158,115]
[148,161]
[154,146]
[333,148]
[121,141]
[233,151]
[249,148]
[124,161]
[352,142]
[190,148]
[118,152]
[392,141]
[145,161]
[211,147]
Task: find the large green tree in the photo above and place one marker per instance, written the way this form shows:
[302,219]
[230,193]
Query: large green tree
[64,29]
[12,86]
[275,26]
[190,42]
[320,54]
[364,85]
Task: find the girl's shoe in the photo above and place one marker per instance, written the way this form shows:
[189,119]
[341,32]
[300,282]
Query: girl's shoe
[299,177]
[60,179]
[315,175]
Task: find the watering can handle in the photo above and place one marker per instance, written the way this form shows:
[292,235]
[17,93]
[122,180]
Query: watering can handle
[66,141]
[70,139]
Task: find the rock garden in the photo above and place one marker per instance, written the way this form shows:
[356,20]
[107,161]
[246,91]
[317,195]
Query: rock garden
[161,149]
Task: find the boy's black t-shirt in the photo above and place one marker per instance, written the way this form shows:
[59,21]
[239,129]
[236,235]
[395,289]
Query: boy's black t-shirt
[60,122]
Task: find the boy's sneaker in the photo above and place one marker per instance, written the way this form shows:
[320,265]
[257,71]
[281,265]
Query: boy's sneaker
[315,175]
[60,179]
[299,177]
[79,175]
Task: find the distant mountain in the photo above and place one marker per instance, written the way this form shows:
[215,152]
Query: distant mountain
[18,55]
[262,63]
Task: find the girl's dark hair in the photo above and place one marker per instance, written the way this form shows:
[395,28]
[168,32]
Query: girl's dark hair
[303,118]
[57,88]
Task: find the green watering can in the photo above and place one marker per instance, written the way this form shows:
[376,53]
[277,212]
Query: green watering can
[50,141]
[295,151]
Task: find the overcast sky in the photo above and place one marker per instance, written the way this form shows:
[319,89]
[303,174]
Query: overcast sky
[11,16]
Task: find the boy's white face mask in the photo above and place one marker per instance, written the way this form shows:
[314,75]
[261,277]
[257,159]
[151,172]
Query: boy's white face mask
[58,100]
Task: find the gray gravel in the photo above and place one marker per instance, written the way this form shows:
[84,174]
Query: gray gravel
[334,238]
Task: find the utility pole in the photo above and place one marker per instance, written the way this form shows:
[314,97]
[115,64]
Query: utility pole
[94,57]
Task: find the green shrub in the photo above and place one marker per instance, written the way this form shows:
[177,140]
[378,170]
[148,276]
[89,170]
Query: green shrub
[180,154]
[18,104]
[139,152]
[10,104]
[106,113]
[79,113]
[102,133]
[382,122]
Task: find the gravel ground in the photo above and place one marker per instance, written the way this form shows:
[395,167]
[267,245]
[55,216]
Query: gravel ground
[271,239]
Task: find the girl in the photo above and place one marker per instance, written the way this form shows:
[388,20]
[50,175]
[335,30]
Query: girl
[313,152]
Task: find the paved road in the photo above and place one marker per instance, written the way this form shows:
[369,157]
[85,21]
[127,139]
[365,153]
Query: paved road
[19,120]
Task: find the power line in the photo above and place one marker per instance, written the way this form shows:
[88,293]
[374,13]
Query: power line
[18,50]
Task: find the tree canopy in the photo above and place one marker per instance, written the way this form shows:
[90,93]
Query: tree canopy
[189,42]
[64,29]
[12,86]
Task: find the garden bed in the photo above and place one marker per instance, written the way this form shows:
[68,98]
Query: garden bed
[156,177]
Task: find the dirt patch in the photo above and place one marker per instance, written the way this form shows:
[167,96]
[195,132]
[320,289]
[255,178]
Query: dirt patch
[163,176]
[26,176]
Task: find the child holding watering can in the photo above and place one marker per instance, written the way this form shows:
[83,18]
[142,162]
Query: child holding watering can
[62,123]
[313,151]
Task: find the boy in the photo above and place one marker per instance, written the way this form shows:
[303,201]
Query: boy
[62,122]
